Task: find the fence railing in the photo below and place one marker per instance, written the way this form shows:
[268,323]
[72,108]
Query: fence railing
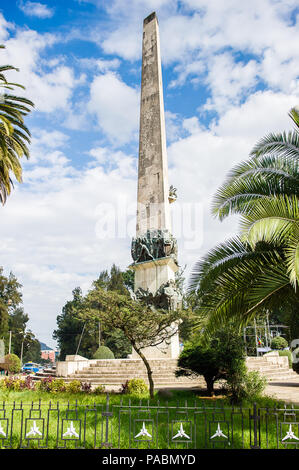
[135,425]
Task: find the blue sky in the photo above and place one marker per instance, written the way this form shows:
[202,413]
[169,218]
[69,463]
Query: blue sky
[230,75]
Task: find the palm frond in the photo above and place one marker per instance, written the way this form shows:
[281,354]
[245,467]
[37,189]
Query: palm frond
[282,144]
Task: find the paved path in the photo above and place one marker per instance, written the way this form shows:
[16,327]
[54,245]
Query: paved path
[287,390]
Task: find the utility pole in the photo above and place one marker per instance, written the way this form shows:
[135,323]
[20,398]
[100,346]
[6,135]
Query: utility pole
[9,346]
[99,334]
[22,352]
[80,339]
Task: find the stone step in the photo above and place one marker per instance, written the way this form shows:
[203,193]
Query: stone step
[280,376]
[134,362]
[118,371]
[265,370]
[123,376]
[130,367]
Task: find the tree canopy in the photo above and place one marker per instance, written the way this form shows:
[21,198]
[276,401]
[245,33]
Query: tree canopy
[14,135]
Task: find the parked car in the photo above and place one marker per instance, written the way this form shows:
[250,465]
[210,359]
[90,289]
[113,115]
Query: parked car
[30,367]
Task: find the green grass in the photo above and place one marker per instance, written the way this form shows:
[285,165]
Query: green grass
[162,419]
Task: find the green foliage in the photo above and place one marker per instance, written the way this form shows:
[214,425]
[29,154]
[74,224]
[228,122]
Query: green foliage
[49,385]
[118,343]
[287,314]
[289,356]
[103,353]
[137,387]
[70,325]
[70,328]
[260,268]
[73,387]
[255,385]
[12,363]
[219,358]
[279,343]
[10,298]
[99,390]
[31,346]
[14,135]
[11,383]
[245,385]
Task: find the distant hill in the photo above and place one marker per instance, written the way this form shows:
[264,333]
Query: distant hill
[44,347]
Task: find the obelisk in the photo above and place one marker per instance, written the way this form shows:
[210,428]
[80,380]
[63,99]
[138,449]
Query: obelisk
[153,189]
[154,249]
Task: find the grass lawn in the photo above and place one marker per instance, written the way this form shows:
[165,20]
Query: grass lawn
[163,418]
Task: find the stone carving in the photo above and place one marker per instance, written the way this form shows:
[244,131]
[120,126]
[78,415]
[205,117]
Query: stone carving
[154,244]
[172,194]
[167,297]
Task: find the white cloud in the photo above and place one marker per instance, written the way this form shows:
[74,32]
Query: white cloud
[263,112]
[49,139]
[56,212]
[48,85]
[206,44]
[200,162]
[37,9]
[229,81]
[100,64]
[116,107]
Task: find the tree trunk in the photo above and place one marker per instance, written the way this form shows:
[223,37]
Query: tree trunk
[148,368]
[210,385]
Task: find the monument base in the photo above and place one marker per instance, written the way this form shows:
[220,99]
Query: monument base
[151,275]
[169,349]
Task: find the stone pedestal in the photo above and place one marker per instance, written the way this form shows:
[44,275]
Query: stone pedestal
[151,275]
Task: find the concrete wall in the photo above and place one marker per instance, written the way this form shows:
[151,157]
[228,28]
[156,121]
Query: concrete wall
[71,365]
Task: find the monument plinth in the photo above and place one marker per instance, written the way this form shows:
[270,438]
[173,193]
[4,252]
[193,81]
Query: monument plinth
[154,249]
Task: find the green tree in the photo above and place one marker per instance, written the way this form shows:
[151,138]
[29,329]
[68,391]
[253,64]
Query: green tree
[14,135]
[259,269]
[219,358]
[142,325]
[70,327]
[24,343]
[10,299]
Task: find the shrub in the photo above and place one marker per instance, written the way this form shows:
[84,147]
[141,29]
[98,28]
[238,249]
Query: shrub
[86,387]
[27,384]
[103,353]
[245,385]
[137,387]
[279,343]
[124,387]
[57,385]
[12,383]
[99,389]
[45,384]
[74,386]
[255,385]
[217,358]
[12,363]
[288,354]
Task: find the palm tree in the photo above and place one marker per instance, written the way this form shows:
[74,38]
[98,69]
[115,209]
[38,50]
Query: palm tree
[14,135]
[261,266]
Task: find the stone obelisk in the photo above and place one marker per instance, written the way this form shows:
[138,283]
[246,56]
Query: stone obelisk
[154,249]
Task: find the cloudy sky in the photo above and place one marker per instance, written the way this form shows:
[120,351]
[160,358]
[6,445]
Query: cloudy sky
[230,75]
